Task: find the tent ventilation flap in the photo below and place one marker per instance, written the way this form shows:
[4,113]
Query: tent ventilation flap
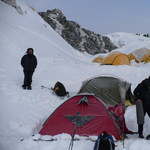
[84,100]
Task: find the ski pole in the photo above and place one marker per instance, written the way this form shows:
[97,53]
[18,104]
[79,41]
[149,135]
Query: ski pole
[45,87]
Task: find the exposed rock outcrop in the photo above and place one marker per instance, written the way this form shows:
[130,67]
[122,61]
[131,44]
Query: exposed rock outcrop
[14,4]
[79,38]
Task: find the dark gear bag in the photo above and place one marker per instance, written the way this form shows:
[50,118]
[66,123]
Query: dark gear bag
[148,137]
[104,142]
[60,89]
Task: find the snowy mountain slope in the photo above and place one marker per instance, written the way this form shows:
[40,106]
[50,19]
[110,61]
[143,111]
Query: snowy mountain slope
[23,112]
[129,40]
[36,31]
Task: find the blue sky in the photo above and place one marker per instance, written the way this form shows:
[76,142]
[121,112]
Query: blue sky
[102,16]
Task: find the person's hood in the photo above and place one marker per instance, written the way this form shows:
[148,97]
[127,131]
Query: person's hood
[29,49]
[147,81]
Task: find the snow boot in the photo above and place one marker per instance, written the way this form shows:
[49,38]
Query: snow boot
[23,86]
[29,88]
[141,136]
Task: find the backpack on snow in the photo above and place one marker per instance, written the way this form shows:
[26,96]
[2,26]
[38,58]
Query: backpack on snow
[60,90]
[148,137]
[104,142]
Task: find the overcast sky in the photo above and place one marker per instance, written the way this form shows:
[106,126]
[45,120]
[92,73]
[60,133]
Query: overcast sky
[102,16]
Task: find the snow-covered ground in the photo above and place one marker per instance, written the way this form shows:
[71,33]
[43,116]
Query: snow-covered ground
[22,112]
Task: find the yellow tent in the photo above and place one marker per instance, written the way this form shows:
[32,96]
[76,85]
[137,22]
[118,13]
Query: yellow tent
[138,54]
[132,57]
[147,60]
[98,59]
[116,58]
[32,8]
[146,57]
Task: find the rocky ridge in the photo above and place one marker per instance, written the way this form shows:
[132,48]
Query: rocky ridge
[14,4]
[79,38]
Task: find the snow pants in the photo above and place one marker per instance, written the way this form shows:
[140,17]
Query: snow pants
[146,109]
[28,78]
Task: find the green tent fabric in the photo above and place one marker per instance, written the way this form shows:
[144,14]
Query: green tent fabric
[111,89]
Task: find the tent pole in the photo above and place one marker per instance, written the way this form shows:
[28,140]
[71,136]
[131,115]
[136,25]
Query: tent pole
[72,139]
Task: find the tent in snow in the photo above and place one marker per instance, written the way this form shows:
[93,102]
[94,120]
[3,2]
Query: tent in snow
[98,59]
[32,8]
[146,57]
[91,115]
[138,55]
[112,90]
[116,58]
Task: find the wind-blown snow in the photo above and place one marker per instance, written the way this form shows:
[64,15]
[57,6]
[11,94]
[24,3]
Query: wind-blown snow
[22,112]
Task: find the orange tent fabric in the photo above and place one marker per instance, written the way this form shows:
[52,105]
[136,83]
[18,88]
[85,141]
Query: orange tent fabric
[132,57]
[32,8]
[139,55]
[146,57]
[116,58]
[98,59]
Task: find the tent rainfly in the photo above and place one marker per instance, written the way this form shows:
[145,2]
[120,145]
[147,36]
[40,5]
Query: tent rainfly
[146,57]
[139,55]
[111,89]
[116,58]
[98,59]
[91,116]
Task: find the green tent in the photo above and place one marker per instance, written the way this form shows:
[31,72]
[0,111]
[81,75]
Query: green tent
[111,89]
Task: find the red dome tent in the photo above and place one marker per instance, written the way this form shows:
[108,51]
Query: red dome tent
[94,117]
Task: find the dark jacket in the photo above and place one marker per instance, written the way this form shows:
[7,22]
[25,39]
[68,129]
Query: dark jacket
[29,62]
[142,91]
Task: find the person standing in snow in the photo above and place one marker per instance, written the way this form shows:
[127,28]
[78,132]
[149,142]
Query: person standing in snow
[29,63]
[142,93]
